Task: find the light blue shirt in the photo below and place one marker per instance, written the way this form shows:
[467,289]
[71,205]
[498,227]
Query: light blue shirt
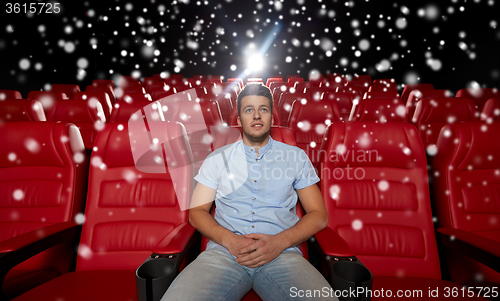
[256,194]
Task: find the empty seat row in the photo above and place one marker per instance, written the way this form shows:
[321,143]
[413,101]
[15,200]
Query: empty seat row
[379,205]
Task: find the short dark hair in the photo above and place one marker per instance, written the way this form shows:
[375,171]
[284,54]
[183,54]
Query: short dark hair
[254,89]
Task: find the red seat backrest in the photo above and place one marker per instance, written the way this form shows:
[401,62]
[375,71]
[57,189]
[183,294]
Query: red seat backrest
[416,95]
[132,198]
[88,116]
[308,121]
[466,190]
[10,94]
[102,97]
[67,89]
[491,110]
[292,80]
[105,88]
[124,111]
[379,110]
[434,113]
[344,102]
[383,94]
[285,105]
[375,187]
[410,87]
[43,180]
[479,95]
[21,110]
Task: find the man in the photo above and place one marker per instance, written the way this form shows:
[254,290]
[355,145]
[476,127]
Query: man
[255,232]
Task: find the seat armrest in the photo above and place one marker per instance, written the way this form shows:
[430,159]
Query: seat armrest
[21,241]
[477,247]
[176,241]
[342,269]
[332,244]
[155,275]
[17,249]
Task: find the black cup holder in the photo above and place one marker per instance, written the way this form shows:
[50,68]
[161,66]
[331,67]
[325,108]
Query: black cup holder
[156,268]
[347,276]
[154,277]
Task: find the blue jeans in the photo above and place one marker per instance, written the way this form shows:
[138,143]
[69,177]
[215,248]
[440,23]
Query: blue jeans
[215,275]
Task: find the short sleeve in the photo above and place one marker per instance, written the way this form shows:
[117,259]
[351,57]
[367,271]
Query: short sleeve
[306,175]
[207,175]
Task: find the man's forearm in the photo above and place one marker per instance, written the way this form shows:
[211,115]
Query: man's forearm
[310,224]
[205,223]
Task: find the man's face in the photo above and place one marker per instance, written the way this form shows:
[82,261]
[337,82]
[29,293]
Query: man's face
[255,117]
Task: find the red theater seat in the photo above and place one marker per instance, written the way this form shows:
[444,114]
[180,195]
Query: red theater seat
[43,181]
[46,94]
[375,187]
[416,95]
[479,95]
[491,110]
[308,121]
[466,190]
[104,82]
[67,89]
[382,87]
[434,113]
[197,118]
[379,110]
[285,105]
[292,80]
[365,79]
[386,94]
[161,92]
[255,80]
[274,80]
[10,94]
[123,111]
[344,102]
[101,97]
[21,110]
[356,92]
[410,87]
[103,88]
[239,81]
[88,116]
[132,209]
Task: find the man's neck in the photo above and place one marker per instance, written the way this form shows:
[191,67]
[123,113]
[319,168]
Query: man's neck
[257,144]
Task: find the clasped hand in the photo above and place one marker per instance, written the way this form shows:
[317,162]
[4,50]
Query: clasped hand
[258,250]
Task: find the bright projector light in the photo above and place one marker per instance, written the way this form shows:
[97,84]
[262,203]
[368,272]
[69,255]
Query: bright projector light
[255,62]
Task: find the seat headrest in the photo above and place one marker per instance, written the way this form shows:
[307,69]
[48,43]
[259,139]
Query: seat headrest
[371,144]
[379,110]
[79,111]
[491,110]
[447,110]
[39,144]
[21,110]
[474,139]
[147,146]
[124,112]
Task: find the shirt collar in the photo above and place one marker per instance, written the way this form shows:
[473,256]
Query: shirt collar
[262,151]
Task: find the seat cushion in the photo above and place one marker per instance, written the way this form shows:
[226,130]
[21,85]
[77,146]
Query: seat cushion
[19,281]
[86,285]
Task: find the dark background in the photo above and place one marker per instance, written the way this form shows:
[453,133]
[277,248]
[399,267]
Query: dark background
[37,50]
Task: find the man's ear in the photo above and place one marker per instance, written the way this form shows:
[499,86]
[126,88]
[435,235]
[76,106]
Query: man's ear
[272,119]
[238,121]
